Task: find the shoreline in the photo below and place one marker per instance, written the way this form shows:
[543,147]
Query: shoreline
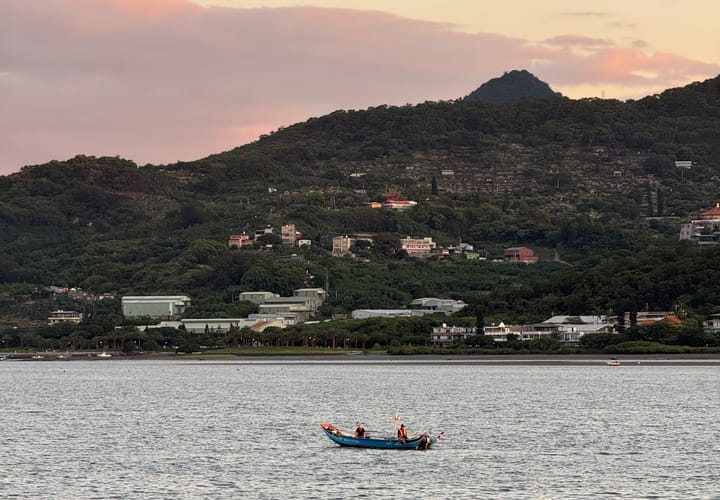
[488,360]
[691,359]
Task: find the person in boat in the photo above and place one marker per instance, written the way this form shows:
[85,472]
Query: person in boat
[424,443]
[360,431]
[402,433]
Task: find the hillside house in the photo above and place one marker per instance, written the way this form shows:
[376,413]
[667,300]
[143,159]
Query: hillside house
[239,240]
[342,244]
[418,247]
[61,316]
[705,230]
[289,234]
[524,255]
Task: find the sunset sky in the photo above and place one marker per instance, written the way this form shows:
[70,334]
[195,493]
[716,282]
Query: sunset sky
[157,81]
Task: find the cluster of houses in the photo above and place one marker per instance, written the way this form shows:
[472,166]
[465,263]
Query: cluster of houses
[77,294]
[281,312]
[342,244]
[422,247]
[274,310]
[567,329]
[289,236]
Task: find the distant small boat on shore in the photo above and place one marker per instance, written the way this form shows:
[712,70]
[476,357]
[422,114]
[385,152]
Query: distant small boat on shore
[104,355]
[613,362]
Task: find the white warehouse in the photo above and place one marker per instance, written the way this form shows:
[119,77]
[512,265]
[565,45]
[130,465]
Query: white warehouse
[155,306]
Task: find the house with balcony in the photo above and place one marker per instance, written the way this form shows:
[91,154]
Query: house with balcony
[61,316]
[418,247]
[499,331]
[289,234]
[567,329]
[570,329]
[445,335]
[342,244]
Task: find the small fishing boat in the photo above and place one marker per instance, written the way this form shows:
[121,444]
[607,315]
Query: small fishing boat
[343,438]
[104,355]
[613,362]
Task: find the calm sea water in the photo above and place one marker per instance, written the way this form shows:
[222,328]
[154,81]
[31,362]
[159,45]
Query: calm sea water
[174,429]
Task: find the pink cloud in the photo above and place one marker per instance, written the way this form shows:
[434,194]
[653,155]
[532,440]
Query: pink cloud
[166,80]
[629,66]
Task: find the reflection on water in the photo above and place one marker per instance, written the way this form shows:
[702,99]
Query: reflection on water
[165,429]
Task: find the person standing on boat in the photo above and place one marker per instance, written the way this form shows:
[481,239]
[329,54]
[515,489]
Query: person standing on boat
[360,431]
[402,433]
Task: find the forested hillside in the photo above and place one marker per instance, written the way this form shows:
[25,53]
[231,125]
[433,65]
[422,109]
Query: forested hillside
[591,185]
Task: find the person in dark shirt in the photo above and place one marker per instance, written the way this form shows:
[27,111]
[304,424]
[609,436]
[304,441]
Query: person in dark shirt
[360,431]
[425,443]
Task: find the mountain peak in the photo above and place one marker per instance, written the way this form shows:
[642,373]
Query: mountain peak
[513,86]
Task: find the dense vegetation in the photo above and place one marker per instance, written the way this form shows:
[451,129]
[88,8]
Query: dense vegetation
[591,185]
[513,86]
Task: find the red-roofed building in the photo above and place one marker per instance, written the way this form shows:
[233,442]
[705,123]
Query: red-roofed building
[712,214]
[705,230]
[520,254]
[239,240]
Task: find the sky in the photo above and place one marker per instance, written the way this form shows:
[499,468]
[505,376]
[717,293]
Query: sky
[160,81]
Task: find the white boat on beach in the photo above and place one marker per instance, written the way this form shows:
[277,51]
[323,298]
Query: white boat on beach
[104,355]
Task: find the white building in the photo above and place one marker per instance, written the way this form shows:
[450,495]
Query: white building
[61,316]
[388,313]
[447,306]
[567,329]
[417,247]
[712,324]
[222,325]
[445,335]
[155,306]
[257,297]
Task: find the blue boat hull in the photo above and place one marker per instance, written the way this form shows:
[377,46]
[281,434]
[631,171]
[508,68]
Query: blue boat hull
[345,439]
